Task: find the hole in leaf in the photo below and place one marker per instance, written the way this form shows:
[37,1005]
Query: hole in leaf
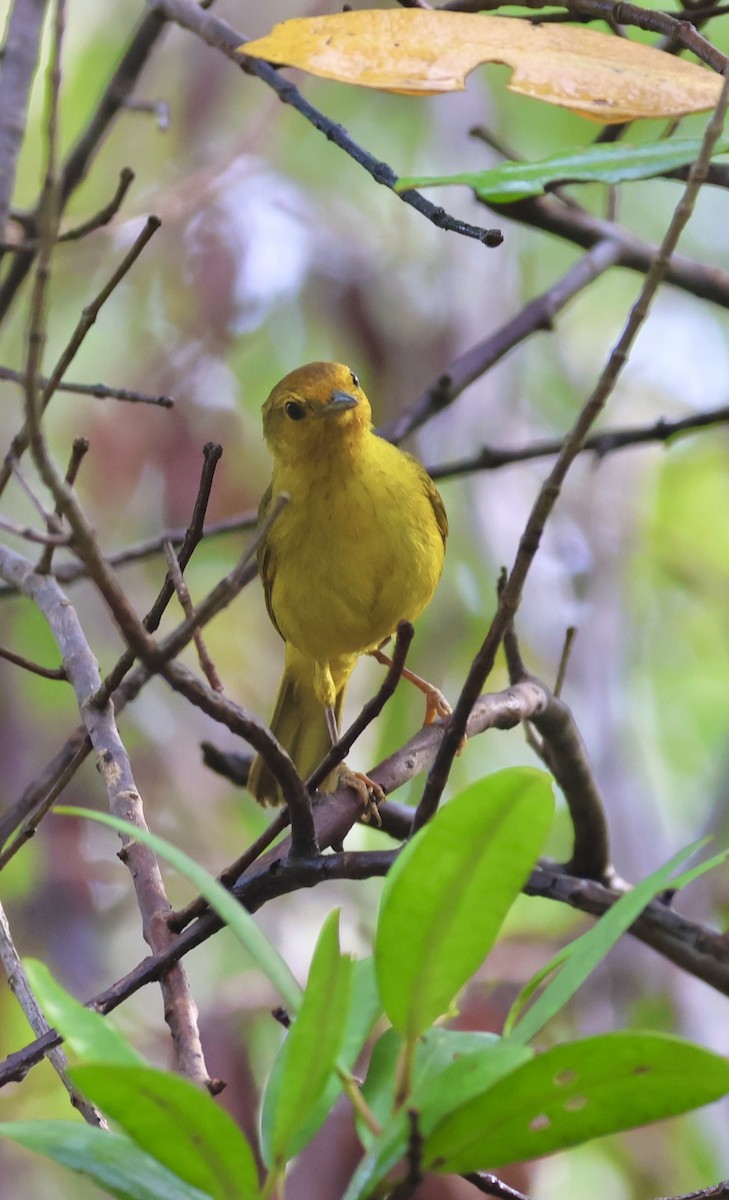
[575,1103]
[641,1070]
[539,1123]
[563,1078]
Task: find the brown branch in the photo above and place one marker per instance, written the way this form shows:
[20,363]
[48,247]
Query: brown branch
[601,444]
[35,668]
[99,219]
[581,228]
[565,754]
[549,492]
[79,451]
[677,29]
[183,595]
[100,390]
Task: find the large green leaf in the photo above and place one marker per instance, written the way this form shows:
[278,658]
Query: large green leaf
[573,1093]
[310,1053]
[111,1160]
[447,894]
[598,163]
[89,1034]
[177,1123]
[365,1007]
[240,923]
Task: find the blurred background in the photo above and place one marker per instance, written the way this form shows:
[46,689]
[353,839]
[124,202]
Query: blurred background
[276,249]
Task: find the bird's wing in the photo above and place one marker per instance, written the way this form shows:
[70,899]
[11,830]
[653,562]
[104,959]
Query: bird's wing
[267,558]
[434,496]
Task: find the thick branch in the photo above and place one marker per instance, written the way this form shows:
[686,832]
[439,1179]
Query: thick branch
[20,57]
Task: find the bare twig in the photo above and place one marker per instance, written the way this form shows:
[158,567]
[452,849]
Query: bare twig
[600,444]
[34,535]
[79,451]
[99,219]
[35,668]
[100,390]
[183,595]
[564,752]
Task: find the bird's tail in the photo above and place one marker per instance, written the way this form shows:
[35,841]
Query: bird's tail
[299,723]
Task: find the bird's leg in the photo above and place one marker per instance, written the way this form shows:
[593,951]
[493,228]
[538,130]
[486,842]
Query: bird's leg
[436,705]
[369,792]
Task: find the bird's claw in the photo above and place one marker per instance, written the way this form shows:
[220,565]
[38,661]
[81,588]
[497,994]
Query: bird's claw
[369,792]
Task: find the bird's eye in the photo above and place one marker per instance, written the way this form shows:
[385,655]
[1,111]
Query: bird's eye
[355,380]
[294,410]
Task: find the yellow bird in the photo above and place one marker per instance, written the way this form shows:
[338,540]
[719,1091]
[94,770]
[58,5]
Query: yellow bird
[358,548]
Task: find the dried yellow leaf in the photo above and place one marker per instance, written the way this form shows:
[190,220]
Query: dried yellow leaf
[418,52]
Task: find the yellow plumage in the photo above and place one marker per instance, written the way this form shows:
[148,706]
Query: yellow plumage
[358,548]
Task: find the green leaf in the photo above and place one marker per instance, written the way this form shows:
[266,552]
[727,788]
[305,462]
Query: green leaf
[446,896]
[575,962]
[309,1054]
[364,1008]
[449,1066]
[177,1123]
[111,1160]
[573,1093]
[598,163]
[87,1033]
[240,923]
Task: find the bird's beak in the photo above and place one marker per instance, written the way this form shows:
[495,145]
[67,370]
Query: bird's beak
[340,402]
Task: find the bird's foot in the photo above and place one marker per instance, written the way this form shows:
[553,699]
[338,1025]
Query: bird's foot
[369,792]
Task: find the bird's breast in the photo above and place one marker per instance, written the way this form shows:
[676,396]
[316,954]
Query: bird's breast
[356,551]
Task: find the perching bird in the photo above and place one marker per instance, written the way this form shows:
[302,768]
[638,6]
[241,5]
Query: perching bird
[358,548]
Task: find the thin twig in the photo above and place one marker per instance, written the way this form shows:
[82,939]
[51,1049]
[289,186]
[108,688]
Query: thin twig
[79,450]
[100,390]
[600,444]
[183,595]
[35,668]
[99,219]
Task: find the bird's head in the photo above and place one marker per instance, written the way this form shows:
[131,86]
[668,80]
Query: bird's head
[314,410]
